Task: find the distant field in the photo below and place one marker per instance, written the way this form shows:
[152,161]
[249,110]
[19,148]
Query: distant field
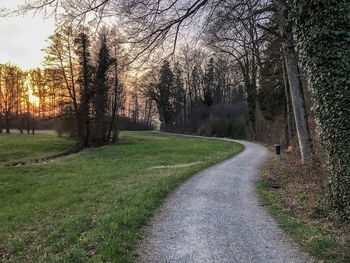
[21,147]
[44,132]
[91,206]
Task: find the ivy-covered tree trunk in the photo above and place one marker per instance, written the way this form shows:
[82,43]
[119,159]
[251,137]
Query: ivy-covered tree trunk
[294,82]
[323,29]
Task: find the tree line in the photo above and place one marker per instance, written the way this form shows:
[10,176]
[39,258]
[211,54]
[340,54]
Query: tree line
[26,96]
[197,95]
[277,49]
[80,84]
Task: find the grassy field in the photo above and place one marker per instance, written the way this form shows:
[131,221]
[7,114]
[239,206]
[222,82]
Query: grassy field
[21,147]
[91,206]
[295,195]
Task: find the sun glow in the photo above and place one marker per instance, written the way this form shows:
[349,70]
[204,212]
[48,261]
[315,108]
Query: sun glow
[32,99]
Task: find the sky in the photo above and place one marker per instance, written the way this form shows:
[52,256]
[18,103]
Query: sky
[22,38]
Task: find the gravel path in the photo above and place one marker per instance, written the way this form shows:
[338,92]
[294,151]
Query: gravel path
[216,217]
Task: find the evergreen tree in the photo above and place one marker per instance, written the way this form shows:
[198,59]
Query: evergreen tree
[195,85]
[179,94]
[271,95]
[163,95]
[101,91]
[85,81]
[209,83]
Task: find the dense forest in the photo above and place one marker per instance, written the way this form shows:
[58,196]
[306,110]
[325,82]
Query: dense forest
[273,71]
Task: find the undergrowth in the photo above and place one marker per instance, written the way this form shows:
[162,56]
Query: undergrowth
[295,195]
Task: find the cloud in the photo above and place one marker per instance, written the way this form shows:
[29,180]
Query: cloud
[22,38]
[8,30]
[13,52]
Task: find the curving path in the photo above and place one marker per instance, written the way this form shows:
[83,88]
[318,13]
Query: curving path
[216,217]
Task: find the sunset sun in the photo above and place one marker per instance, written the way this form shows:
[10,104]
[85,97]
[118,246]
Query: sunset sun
[32,99]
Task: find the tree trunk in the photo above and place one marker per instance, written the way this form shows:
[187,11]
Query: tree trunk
[114,110]
[149,121]
[7,123]
[184,112]
[289,113]
[294,84]
[28,118]
[79,124]
[33,121]
[28,123]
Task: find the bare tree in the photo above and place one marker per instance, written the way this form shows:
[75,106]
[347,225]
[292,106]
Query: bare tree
[60,56]
[10,77]
[152,22]
[54,82]
[233,30]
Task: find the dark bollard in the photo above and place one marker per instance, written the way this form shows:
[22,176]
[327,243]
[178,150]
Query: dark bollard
[278,149]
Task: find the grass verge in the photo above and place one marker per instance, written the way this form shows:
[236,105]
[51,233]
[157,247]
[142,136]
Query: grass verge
[294,196]
[92,206]
[21,147]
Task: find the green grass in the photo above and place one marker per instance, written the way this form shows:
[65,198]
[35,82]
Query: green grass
[315,237]
[92,206]
[21,147]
